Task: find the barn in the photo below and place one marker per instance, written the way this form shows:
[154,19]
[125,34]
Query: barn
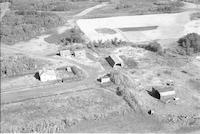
[47,75]
[114,61]
[163,93]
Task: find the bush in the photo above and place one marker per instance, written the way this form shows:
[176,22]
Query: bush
[73,36]
[79,73]
[190,43]
[167,6]
[106,44]
[153,46]
[121,79]
[195,16]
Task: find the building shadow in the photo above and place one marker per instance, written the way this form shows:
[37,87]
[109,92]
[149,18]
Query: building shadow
[37,75]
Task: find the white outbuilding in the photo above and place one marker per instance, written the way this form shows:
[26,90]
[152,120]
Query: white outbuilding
[47,75]
[65,53]
[105,79]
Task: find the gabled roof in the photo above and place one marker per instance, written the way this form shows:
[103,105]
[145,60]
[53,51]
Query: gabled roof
[163,89]
[115,58]
[47,72]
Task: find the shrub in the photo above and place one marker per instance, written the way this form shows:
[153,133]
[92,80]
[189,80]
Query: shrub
[106,44]
[121,79]
[195,16]
[79,73]
[72,36]
[190,43]
[167,6]
[152,46]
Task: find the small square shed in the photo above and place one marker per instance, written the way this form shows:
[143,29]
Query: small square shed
[105,79]
[65,53]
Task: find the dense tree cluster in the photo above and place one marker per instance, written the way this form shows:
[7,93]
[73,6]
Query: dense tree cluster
[152,46]
[190,43]
[19,65]
[23,25]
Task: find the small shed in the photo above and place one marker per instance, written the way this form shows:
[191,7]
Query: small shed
[114,60]
[79,53]
[104,79]
[198,58]
[68,69]
[47,75]
[65,53]
[163,93]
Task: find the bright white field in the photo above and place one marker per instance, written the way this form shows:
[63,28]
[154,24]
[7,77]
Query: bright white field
[169,26]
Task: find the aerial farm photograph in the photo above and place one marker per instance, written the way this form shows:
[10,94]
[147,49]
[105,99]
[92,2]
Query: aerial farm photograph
[100,66]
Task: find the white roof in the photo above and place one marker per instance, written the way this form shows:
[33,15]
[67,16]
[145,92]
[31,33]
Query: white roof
[115,58]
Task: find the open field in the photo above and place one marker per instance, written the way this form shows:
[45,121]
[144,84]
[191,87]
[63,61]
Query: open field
[163,23]
[58,113]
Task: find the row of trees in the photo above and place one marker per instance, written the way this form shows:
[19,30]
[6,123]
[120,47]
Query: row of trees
[106,44]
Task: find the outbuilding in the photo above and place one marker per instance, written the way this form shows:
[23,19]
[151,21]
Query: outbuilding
[104,79]
[65,53]
[68,69]
[47,75]
[114,61]
[163,93]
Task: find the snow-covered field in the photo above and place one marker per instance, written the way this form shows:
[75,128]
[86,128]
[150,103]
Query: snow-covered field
[169,26]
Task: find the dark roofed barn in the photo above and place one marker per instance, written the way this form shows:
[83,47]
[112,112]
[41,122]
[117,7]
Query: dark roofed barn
[113,60]
[163,93]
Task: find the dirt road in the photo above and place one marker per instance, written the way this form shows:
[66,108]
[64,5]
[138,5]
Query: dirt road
[91,9]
